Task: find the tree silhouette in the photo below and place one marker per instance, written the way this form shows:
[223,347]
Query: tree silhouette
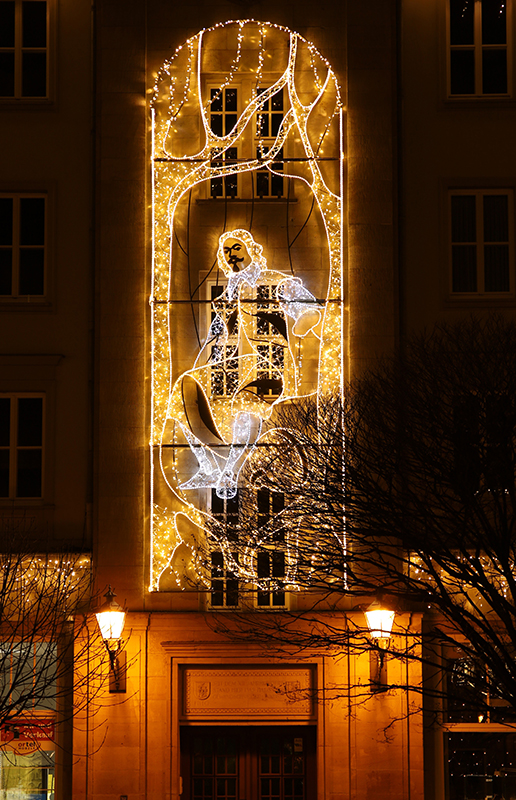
[404,490]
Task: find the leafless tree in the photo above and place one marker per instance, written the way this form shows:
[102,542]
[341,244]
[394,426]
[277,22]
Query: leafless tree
[405,490]
[50,662]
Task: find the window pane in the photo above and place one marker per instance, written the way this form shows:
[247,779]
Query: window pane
[4,473]
[230,122]
[494,72]
[32,272]
[496,218]
[463,218]
[32,220]
[462,66]
[262,184]
[6,74]
[30,421]
[216,100]
[6,220]
[494,22]
[28,478]
[277,101]
[231,99]
[7,23]
[462,21]
[216,124]
[464,268]
[34,74]
[276,123]
[6,272]
[496,267]
[262,127]
[34,28]
[5,421]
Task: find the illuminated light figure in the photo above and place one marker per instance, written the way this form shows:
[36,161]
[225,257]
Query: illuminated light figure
[187,156]
[239,379]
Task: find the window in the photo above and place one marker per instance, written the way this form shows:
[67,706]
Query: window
[271,342]
[482,242]
[270,559]
[269,181]
[21,446]
[478,48]
[223,118]
[480,756]
[22,245]
[23,49]
[483,431]
[224,581]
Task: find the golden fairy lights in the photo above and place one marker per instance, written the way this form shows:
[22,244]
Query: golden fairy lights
[187,153]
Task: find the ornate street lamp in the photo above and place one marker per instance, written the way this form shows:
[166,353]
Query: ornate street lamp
[379,621]
[111,621]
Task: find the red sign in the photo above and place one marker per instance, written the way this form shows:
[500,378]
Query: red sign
[23,730]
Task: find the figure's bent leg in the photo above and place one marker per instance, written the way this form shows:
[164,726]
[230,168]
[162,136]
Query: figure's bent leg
[208,473]
[239,450]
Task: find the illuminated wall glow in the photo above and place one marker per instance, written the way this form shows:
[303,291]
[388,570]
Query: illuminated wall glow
[208,412]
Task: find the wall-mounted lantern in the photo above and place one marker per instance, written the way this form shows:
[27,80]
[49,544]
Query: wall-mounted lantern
[379,621]
[111,621]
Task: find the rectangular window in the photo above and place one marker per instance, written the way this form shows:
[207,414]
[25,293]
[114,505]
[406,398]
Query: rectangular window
[224,580]
[223,114]
[21,446]
[478,48]
[480,765]
[22,245]
[482,242]
[24,32]
[271,334]
[270,560]
[483,432]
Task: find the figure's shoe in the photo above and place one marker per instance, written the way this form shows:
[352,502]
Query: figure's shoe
[202,480]
[227,485]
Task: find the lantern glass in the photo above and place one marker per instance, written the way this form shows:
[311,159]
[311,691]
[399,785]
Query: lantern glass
[379,621]
[111,624]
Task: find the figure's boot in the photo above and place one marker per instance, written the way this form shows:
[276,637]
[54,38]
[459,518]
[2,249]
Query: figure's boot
[208,473]
[227,484]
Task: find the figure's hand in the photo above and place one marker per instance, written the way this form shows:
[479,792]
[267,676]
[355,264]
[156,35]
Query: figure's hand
[306,322]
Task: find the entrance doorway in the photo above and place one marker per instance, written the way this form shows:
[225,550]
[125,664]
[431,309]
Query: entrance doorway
[248,763]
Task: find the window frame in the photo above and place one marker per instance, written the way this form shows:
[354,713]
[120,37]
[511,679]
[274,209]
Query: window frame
[224,157]
[480,294]
[478,48]
[220,576]
[16,247]
[13,447]
[18,98]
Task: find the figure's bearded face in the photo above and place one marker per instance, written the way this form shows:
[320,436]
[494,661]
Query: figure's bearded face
[236,255]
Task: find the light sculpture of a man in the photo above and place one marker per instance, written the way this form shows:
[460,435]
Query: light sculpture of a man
[238,375]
